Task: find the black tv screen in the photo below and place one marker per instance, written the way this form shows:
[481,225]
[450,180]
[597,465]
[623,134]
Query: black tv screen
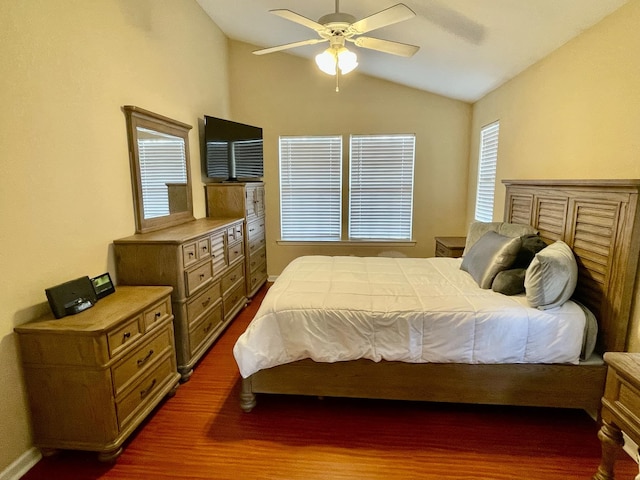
[233,151]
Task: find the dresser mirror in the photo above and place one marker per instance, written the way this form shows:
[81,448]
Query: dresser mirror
[160,172]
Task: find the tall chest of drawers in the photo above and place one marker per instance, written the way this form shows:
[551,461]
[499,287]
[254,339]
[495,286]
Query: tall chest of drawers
[92,378]
[244,200]
[203,261]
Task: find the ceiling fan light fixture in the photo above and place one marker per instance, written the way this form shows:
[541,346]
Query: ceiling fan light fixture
[347,61]
[326,61]
[332,58]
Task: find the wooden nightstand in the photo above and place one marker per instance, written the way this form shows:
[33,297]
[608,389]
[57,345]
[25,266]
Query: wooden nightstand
[450,246]
[620,408]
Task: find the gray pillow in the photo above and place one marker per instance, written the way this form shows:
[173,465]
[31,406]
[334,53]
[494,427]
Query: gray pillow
[509,282]
[551,277]
[478,229]
[491,254]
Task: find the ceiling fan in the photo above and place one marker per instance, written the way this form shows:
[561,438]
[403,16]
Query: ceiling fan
[338,28]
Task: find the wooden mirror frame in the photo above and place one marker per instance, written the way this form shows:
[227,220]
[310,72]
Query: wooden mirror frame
[138,117]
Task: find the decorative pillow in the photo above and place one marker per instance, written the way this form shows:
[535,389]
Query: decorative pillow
[531,244]
[478,229]
[551,277]
[509,282]
[491,254]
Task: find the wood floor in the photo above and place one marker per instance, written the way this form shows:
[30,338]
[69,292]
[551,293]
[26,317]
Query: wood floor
[201,433]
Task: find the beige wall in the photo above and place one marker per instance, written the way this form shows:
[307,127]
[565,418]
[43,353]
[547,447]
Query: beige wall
[287,95]
[67,68]
[575,114]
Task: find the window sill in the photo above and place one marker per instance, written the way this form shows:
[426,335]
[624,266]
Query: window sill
[350,243]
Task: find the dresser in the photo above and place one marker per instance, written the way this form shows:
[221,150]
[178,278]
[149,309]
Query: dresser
[92,378]
[239,199]
[620,409]
[204,262]
[450,246]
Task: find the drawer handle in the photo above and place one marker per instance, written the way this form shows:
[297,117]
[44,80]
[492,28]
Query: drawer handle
[126,336]
[142,361]
[252,229]
[147,391]
[253,280]
[204,249]
[158,315]
[208,327]
[190,254]
[233,279]
[201,276]
[206,302]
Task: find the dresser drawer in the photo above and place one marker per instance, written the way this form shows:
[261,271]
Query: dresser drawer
[143,391]
[204,248]
[231,277]
[198,277]
[255,230]
[234,297]
[257,276]
[202,329]
[140,359]
[189,253]
[156,313]
[235,252]
[257,259]
[205,300]
[123,336]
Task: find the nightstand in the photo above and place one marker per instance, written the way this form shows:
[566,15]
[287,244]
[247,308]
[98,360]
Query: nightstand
[619,408]
[450,246]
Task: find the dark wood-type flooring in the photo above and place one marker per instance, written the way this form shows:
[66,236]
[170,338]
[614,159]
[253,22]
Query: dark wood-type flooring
[201,433]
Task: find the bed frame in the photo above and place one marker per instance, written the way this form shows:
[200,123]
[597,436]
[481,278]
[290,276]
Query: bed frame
[600,221]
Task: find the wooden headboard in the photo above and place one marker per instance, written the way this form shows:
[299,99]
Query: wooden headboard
[599,220]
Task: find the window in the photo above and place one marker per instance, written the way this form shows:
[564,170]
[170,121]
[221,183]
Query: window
[381,187]
[380,204]
[487,172]
[311,188]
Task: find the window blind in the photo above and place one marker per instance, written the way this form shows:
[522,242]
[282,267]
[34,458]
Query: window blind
[310,188]
[161,162]
[381,186]
[487,172]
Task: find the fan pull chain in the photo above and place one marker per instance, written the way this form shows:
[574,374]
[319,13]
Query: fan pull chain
[337,79]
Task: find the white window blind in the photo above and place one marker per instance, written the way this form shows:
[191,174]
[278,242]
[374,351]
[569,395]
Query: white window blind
[381,186]
[310,188]
[161,159]
[487,172]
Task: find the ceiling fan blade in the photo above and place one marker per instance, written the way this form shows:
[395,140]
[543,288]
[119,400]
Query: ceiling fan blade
[386,46]
[391,15]
[311,41]
[297,18]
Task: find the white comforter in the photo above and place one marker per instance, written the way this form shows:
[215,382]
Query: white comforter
[415,310]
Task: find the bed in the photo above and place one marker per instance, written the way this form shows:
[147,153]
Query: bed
[598,220]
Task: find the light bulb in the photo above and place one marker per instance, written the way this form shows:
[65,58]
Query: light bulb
[347,60]
[326,61]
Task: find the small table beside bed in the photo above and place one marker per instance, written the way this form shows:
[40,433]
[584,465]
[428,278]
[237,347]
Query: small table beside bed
[432,329]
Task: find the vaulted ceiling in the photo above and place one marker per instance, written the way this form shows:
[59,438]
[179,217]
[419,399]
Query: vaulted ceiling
[467,47]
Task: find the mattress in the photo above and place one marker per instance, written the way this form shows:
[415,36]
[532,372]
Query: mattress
[332,309]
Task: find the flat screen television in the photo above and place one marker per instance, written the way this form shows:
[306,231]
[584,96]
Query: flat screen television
[233,151]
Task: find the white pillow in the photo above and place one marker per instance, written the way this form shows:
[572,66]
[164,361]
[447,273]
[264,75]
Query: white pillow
[551,277]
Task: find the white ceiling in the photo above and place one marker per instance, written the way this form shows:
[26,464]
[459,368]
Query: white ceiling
[468,47]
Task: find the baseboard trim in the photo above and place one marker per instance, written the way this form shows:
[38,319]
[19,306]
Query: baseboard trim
[21,465]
